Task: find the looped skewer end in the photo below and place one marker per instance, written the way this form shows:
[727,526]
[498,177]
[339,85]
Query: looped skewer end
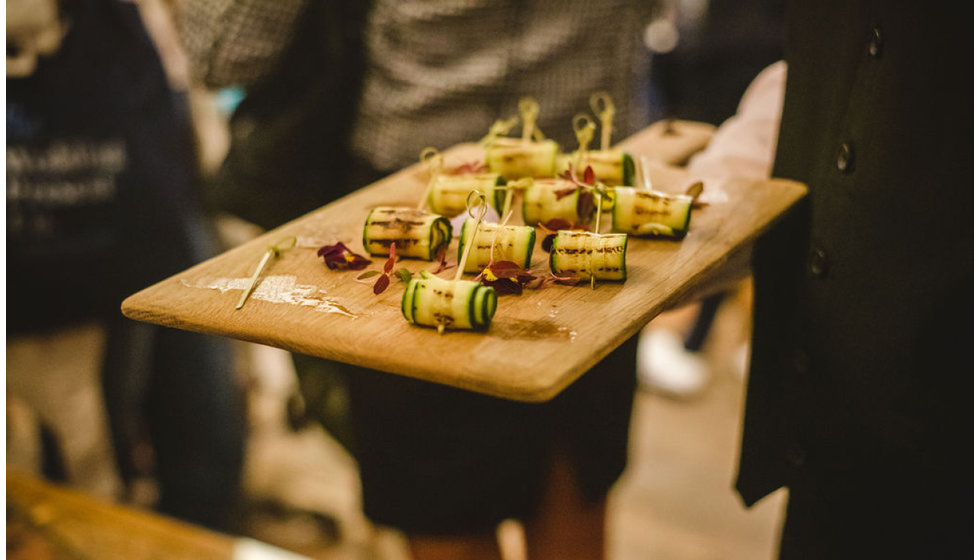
[584,131]
[522,183]
[476,201]
[529,110]
[500,127]
[433,159]
[602,105]
[283,245]
[428,153]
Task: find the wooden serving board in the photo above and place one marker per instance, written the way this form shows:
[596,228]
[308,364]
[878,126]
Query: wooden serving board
[538,343]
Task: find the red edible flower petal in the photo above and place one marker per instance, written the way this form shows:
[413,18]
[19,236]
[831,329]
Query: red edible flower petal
[441,257]
[338,256]
[589,178]
[556,224]
[505,269]
[507,277]
[390,263]
[589,175]
[474,166]
[505,286]
[382,284]
[564,192]
[337,248]
[586,207]
[548,242]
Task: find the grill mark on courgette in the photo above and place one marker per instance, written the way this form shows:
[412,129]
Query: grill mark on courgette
[589,250]
[403,211]
[399,224]
[399,243]
[640,211]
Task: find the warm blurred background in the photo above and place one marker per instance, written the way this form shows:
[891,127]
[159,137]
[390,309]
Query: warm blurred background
[300,486]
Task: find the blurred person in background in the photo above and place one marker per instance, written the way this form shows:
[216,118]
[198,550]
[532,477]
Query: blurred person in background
[706,53]
[339,94]
[102,202]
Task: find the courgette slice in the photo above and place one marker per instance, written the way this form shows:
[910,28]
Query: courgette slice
[510,243]
[513,158]
[611,167]
[542,203]
[448,193]
[449,304]
[590,254]
[415,233]
[651,213]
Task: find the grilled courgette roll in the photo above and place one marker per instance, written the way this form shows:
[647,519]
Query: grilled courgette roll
[510,243]
[611,167]
[602,256]
[513,158]
[448,304]
[415,233]
[448,193]
[550,199]
[651,213]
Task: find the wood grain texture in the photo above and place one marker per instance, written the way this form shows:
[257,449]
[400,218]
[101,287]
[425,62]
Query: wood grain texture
[538,343]
[78,526]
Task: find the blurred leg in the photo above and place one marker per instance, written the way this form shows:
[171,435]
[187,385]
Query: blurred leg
[125,377]
[590,438]
[196,417]
[470,547]
[702,325]
[56,374]
[566,524]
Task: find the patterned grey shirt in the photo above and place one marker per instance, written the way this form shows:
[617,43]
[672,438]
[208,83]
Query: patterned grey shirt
[441,72]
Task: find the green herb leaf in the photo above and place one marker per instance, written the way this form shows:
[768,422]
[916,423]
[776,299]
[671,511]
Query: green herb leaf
[403,274]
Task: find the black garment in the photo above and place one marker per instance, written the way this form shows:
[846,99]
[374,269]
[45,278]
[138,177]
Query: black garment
[101,202]
[100,174]
[441,460]
[861,371]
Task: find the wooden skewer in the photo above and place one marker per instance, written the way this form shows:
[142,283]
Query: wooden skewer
[271,251]
[434,159]
[598,218]
[529,109]
[471,205]
[584,132]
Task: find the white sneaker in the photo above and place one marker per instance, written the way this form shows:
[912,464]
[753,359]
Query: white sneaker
[665,366]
